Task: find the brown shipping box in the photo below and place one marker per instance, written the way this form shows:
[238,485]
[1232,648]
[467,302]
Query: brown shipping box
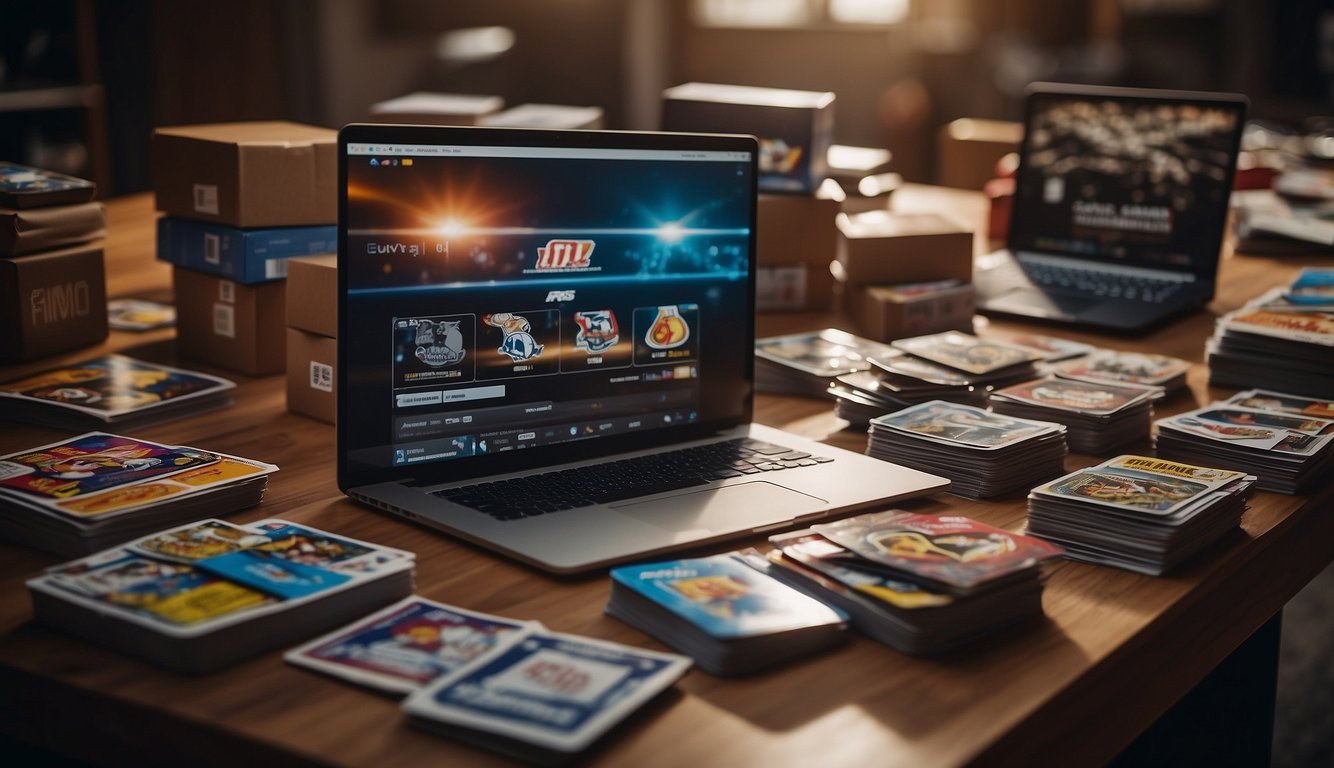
[795,240]
[888,312]
[37,229]
[262,174]
[969,148]
[311,378]
[52,302]
[884,248]
[231,325]
[312,294]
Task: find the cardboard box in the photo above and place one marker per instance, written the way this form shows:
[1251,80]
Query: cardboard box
[52,302]
[264,174]
[886,313]
[969,150]
[792,229]
[229,324]
[544,116]
[311,380]
[794,127]
[312,294]
[244,255]
[29,230]
[423,108]
[885,248]
[793,288]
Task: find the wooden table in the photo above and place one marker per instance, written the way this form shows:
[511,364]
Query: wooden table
[1115,651]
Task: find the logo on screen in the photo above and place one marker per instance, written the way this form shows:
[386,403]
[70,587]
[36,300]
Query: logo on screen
[559,255]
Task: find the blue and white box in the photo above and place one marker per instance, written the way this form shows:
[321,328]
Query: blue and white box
[243,255]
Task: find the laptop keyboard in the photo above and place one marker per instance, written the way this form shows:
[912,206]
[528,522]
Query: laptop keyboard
[627,478]
[1109,284]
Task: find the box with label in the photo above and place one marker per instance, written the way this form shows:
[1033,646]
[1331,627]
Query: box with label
[243,255]
[260,174]
[229,324]
[890,312]
[27,230]
[544,116]
[885,248]
[311,384]
[793,288]
[312,294]
[52,302]
[794,128]
[423,108]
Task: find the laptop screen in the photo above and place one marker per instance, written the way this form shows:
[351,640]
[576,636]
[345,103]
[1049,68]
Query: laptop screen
[1127,175]
[513,299]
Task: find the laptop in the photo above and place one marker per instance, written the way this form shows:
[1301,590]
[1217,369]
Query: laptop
[1120,205]
[546,346]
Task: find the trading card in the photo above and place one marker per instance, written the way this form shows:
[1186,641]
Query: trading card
[814,551]
[1131,367]
[114,385]
[434,350]
[829,352]
[963,424]
[910,367]
[1306,327]
[93,462]
[966,352]
[1263,430]
[1087,397]
[310,546]
[1050,347]
[407,645]
[1314,285]
[139,315]
[172,592]
[1263,400]
[557,691]
[198,541]
[272,575]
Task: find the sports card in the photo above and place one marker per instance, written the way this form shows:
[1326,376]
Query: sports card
[198,541]
[1086,397]
[963,425]
[1307,327]
[139,315]
[1262,430]
[94,462]
[1263,400]
[407,645]
[557,691]
[272,575]
[1050,347]
[308,546]
[1129,367]
[724,597]
[1314,285]
[900,364]
[113,385]
[813,551]
[829,352]
[966,352]
[149,493]
[947,549]
[1140,483]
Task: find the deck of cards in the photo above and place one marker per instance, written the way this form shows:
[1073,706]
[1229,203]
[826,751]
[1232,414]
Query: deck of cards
[984,454]
[1111,367]
[96,490]
[1099,418]
[201,596]
[1283,340]
[807,363]
[1276,437]
[921,584]
[724,611]
[543,697]
[1139,513]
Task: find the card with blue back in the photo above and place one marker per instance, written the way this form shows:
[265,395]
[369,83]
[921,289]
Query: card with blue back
[271,575]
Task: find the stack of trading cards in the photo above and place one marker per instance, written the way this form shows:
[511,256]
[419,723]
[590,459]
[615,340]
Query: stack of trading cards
[96,490]
[1283,340]
[407,645]
[196,598]
[1271,437]
[728,615]
[864,395]
[979,361]
[110,390]
[984,454]
[806,363]
[918,583]
[1139,513]
[1111,367]
[1051,348]
[1099,418]
[543,697]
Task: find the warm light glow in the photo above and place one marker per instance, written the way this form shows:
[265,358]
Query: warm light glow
[451,228]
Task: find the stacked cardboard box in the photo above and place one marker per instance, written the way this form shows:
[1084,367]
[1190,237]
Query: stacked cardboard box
[312,336]
[241,199]
[53,295]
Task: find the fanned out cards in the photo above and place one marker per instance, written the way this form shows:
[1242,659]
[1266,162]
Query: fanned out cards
[201,596]
[806,363]
[110,390]
[723,611]
[984,454]
[1099,418]
[1107,366]
[1137,512]
[1275,436]
[95,490]
[1283,340]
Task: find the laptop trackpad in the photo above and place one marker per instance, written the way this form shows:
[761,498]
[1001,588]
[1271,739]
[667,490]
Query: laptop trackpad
[731,508]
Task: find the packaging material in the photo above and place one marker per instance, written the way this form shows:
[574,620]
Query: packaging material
[260,174]
[52,302]
[794,127]
[795,241]
[229,324]
[29,230]
[244,255]
[312,294]
[424,108]
[311,378]
[890,312]
[885,248]
[793,288]
[544,116]
[969,149]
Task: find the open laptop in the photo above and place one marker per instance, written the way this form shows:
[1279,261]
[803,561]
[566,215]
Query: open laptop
[546,346]
[1120,205]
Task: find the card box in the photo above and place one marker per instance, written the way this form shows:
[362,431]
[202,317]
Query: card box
[255,174]
[311,375]
[794,127]
[889,312]
[244,255]
[312,294]
[52,302]
[423,108]
[231,325]
[35,229]
[884,248]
